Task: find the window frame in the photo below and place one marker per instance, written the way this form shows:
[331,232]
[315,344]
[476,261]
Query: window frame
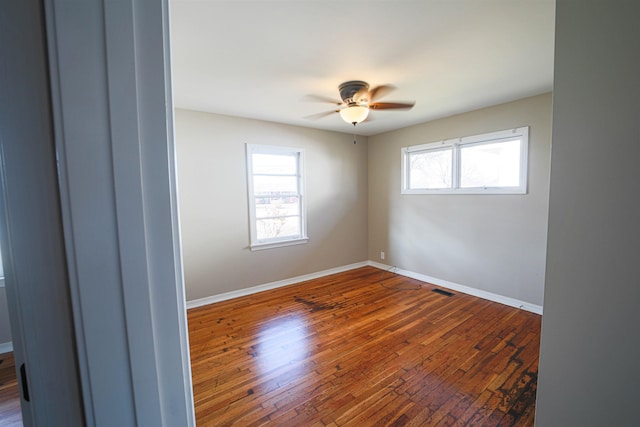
[259,244]
[456,144]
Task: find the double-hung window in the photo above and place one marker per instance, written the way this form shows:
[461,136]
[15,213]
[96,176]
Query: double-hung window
[491,163]
[276,198]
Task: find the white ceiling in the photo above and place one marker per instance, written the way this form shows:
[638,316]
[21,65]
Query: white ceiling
[258,59]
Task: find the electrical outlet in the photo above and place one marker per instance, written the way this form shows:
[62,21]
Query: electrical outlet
[381,255]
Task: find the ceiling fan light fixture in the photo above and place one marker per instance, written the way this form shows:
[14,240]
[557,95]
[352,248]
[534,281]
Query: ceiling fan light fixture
[354,114]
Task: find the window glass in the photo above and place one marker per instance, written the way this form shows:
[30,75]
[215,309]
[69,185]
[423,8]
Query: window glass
[286,226]
[274,164]
[492,163]
[430,169]
[266,185]
[276,197]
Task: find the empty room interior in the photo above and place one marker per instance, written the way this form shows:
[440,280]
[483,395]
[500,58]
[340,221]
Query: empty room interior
[364,195]
[359,337]
[350,221]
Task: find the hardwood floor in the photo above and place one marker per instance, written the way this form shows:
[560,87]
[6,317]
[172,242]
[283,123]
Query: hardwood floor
[363,348]
[10,415]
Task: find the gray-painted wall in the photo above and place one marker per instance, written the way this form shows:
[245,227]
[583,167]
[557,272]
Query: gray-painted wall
[590,349]
[5,327]
[495,243]
[214,208]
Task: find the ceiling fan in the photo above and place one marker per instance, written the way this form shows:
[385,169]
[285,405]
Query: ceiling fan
[357,101]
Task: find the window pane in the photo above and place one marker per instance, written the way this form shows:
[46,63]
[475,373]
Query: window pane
[278,227]
[430,169]
[275,164]
[275,185]
[490,165]
[275,179]
[269,207]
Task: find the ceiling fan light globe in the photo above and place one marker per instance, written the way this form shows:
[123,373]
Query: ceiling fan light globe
[354,114]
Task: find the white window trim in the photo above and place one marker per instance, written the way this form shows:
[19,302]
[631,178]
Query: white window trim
[455,144]
[256,244]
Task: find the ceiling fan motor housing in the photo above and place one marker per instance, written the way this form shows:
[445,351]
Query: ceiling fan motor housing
[353,91]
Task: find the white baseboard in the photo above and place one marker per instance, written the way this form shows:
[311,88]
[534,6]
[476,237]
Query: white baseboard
[6,347]
[462,288]
[512,302]
[272,285]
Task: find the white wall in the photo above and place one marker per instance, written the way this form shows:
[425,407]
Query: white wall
[590,346]
[214,207]
[494,243]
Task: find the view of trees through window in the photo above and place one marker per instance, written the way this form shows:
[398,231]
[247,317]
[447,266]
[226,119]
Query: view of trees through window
[489,163]
[431,169]
[275,176]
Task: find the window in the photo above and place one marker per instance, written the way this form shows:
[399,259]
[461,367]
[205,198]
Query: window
[276,196]
[492,163]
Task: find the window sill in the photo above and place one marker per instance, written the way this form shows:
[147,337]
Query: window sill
[270,245]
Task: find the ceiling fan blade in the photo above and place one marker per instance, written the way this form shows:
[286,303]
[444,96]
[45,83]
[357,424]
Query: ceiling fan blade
[320,98]
[380,91]
[320,115]
[391,105]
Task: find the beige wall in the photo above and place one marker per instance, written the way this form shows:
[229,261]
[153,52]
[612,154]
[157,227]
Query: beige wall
[495,243]
[214,207]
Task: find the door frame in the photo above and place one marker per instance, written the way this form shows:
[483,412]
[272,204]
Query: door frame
[110,118]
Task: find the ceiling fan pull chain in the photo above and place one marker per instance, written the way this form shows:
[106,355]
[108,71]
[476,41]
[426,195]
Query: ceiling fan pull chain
[354,132]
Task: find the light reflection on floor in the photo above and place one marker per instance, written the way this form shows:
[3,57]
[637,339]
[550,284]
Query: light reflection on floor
[282,342]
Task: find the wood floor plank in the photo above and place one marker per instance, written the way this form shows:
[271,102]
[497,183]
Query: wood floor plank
[10,412]
[364,347]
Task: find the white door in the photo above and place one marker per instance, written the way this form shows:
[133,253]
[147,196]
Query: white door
[31,227]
